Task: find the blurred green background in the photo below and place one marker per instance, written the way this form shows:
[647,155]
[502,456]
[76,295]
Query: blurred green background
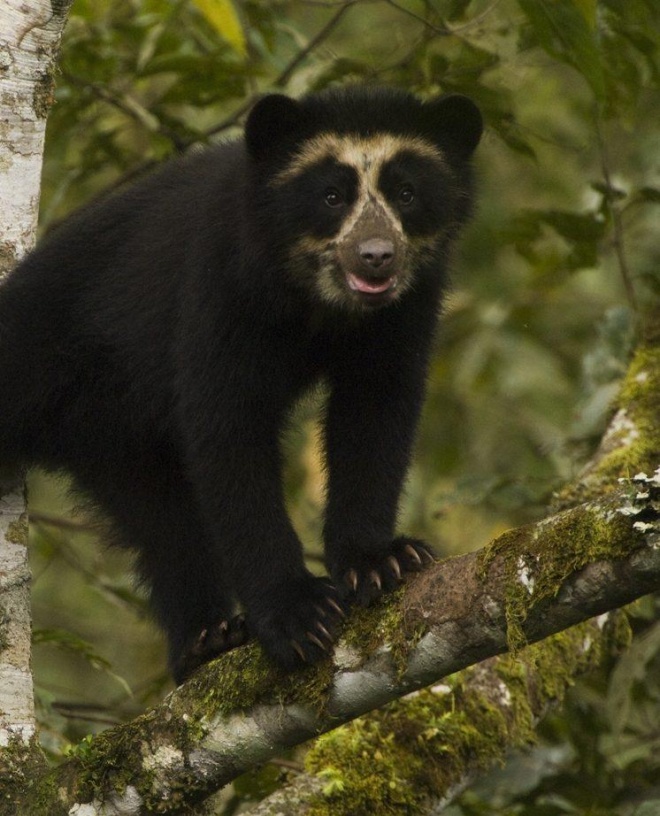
[550,284]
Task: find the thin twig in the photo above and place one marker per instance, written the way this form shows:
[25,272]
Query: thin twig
[59,521]
[445,30]
[130,107]
[616,217]
[284,77]
[281,80]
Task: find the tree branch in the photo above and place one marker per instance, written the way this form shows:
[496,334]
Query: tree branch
[341,783]
[418,753]
[525,585]
[528,584]
[239,712]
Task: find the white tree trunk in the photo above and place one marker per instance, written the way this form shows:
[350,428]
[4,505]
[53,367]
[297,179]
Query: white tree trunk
[30,32]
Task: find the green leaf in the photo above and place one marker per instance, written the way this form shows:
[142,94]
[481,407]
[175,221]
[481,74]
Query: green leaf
[575,227]
[588,9]
[223,17]
[72,643]
[563,30]
[649,194]
[650,808]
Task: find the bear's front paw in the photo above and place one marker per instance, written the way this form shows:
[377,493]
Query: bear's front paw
[213,640]
[365,576]
[298,622]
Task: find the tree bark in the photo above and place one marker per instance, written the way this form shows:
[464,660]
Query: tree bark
[417,754]
[29,40]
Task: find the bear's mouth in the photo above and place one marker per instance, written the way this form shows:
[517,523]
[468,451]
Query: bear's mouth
[371,284]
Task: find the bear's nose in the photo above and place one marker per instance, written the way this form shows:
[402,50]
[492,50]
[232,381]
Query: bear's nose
[376,252]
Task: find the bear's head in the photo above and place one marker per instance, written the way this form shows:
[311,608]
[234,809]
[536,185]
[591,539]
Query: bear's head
[362,187]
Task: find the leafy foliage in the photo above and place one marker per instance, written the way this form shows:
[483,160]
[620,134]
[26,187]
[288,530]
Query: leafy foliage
[552,279]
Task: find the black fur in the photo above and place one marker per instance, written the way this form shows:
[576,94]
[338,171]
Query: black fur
[154,345]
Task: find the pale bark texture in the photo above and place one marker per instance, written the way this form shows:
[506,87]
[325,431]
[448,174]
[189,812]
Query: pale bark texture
[29,39]
[418,753]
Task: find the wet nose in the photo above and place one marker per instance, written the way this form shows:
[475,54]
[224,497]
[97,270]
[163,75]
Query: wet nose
[376,252]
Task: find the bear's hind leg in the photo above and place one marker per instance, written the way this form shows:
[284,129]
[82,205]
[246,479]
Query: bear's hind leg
[153,512]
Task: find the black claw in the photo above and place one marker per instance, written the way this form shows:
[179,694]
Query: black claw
[198,646]
[323,631]
[298,649]
[412,552]
[208,644]
[394,566]
[331,602]
[429,555]
[316,641]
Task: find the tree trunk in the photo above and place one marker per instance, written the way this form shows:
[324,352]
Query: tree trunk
[30,33]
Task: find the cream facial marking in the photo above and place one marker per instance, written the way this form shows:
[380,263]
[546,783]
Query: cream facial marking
[366,154]
[370,216]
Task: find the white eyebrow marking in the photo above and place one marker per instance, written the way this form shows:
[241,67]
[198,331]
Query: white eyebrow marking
[366,154]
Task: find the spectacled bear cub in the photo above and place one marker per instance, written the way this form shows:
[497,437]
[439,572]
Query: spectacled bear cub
[154,345]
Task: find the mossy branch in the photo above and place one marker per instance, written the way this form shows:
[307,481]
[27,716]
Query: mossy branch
[528,584]
[239,712]
[416,754]
[420,753]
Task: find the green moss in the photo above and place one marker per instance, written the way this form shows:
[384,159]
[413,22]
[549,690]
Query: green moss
[632,444]
[17,531]
[537,559]
[413,750]
[393,760]
[640,392]
[243,677]
[544,671]
[20,765]
[234,682]
[384,622]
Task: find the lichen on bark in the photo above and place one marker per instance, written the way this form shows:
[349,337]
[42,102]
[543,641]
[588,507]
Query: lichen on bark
[537,559]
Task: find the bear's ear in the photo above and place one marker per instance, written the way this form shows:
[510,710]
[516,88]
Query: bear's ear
[275,123]
[454,122]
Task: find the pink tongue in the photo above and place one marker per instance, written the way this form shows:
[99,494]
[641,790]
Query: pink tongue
[372,287]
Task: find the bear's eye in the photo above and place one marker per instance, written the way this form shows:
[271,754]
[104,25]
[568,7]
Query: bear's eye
[406,195]
[333,198]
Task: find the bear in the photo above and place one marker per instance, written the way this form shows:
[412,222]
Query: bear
[154,345]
